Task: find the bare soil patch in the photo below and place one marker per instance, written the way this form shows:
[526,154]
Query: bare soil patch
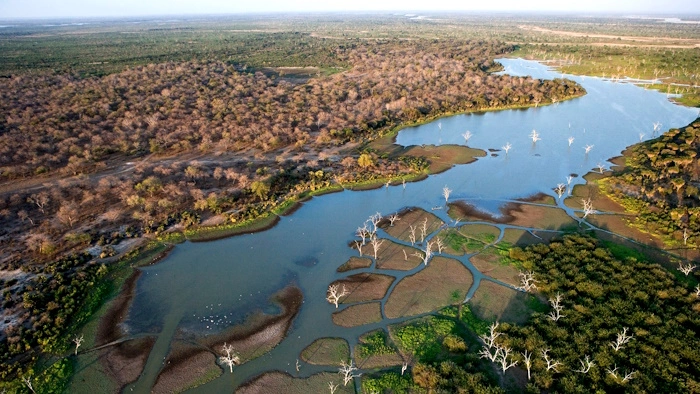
[355,263]
[496,302]
[326,351]
[124,361]
[365,287]
[412,217]
[358,315]
[391,256]
[442,282]
[280,382]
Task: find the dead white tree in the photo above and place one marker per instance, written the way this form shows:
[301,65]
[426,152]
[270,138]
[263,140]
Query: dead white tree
[490,339]
[486,352]
[535,136]
[446,193]
[551,363]
[600,167]
[231,358]
[697,291]
[571,140]
[28,382]
[412,235]
[588,148]
[297,365]
[347,370]
[439,244]
[622,339]
[560,189]
[427,253]
[585,365]
[686,268]
[375,219]
[335,293]
[503,359]
[587,207]
[569,179]
[332,387]
[507,147]
[641,137]
[375,245]
[393,218]
[467,135]
[527,360]
[685,236]
[527,281]
[555,315]
[405,256]
[620,379]
[403,182]
[78,341]
[404,366]
[628,376]
[424,230]
[358,245]
[362,232]
[657,126]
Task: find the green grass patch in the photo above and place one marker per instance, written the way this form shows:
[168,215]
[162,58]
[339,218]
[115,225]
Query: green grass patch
[392,382]
[375,343]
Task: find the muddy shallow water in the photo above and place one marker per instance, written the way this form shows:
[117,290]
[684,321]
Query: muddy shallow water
[205,288]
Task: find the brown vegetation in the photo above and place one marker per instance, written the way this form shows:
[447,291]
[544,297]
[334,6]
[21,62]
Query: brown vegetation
[364,287]
[358,315]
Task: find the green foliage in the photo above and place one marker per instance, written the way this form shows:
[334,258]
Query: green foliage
[424,337]
[601,296]
[375,343]
[391,381]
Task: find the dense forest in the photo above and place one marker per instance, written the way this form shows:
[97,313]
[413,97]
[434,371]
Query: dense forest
[660,183]
[629,324]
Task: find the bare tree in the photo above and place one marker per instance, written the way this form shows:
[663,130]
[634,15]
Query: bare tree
[362,232]
[560,189]
[535,136]
[28,382]
[686,268]
[507,147]
[297,365]
[427,253]
[621,379]
[404,366]
[697,291]
[467,135]
[358,245]
[375,245]
[405,256]
[571,140]
[23,215]
[78,341]
[41,200]
[585,365]
[332,387]
[527,281]
[347,370]
[490,339]
[685,236]
[490,352]
[600,167]
[440,245]
[588,148]
[641,137]
[552,364]
[392,218]
[333,296]
[622,339]
[587,207]
[412,235]
[375,219]
[657,126]
[446,193]
[569,179]
[527,360]
[424,230]
[503,357]
[231,358]
[555,315]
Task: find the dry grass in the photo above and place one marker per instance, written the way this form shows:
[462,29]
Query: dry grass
[358,315]
[355,263]
[442,282]
[365,287]
[495,302]
[488,263]
[391,256]
[326,351]
[278,382]
[412,217]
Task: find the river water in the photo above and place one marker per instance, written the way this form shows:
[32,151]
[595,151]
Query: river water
[205,287]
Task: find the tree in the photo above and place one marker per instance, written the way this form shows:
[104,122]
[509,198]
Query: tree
[260,189]
[527,361]
[555,315]
[375,245]
[348,372]
[365,160]
[333,295]
[41,200]
[585,365]
[231,358]
[446,193]
[78,341]
[527,281]
[622,339]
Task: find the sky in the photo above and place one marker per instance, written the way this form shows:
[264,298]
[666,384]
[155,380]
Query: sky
[10,9]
